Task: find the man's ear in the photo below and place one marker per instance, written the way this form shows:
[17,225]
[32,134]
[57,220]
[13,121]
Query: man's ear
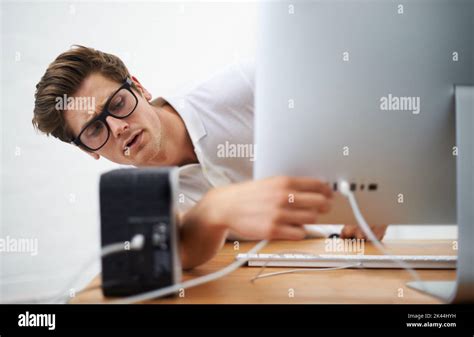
[92,154]
[142,89]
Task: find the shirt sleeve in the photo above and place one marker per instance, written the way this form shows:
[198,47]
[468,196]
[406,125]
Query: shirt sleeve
[247,70]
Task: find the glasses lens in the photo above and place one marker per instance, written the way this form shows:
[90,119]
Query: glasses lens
[122,103]
[95,135]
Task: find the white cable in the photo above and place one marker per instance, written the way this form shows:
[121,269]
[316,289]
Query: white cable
[259,276]
[191,283]
[136,243]
[346,191]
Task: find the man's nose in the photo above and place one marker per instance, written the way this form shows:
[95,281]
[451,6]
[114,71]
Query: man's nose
[117,126]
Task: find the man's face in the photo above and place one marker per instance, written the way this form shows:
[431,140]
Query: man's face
[143,125]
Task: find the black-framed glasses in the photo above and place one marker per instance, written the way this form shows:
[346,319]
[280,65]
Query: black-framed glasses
[96,133]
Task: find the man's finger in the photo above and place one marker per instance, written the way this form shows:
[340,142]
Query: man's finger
[288,232]
[309,200]
[348,231]
[360,235]
[297,217]
[305,184]
[353,231]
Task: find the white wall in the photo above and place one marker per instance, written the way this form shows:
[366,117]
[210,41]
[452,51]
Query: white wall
[49,189]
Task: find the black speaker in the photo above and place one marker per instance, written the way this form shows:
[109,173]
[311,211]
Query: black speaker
[139,201]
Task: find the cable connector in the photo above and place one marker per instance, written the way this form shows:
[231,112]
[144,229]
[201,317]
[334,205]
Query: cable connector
[344,188]
[138,241]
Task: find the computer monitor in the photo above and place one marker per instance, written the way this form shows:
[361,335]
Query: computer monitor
[379,94]
[364,91]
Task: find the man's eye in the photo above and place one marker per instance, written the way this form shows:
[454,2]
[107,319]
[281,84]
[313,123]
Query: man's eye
[95,129]
[117,105]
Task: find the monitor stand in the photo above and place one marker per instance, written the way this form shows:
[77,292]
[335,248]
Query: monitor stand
[462,289]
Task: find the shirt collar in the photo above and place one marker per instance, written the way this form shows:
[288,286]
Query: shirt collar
[191,119]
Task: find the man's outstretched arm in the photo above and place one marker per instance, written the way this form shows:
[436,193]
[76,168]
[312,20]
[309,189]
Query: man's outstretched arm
[273,208]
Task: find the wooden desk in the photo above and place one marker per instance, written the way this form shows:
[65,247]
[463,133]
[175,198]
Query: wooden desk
[337,286]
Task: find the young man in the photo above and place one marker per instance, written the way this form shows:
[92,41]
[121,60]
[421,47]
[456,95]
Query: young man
[127,127]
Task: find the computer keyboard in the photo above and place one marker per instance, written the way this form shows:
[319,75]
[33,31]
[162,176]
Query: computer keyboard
[350,261]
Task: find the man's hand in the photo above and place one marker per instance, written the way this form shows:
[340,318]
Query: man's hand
[354,231]
[273,208]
